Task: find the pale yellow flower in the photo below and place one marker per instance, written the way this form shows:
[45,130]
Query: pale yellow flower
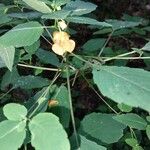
[62,43]
[62,24]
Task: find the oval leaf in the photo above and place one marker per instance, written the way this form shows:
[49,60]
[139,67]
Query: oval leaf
[102,127]
[80,7]
[22,35]
[90,145]
[148,131]
[30,82]
[48,133]
[14,111]
[124,85]
[132,120]
[38,5]
[86,20]
[12,134]
[7,55]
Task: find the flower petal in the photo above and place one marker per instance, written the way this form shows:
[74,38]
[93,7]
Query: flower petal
[58,49]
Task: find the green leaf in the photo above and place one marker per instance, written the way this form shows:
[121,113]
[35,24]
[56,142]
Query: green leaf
[93,45]
[2,64]
[148,118]
[47,133]
[90,145]
[9,78]
[124,107]
[47,57]
[61,14]
[38,5]
[86,20]
[31,82]
[146,47]
[148,131]
[7,54]
[118,24]
[25,15]
[80,7]
[124,85]
[131,120]
[22,35]
[15,112]
[102,127]
[32,48]
[12,134]
[131,142]
[137,148]
[62,110]
[4,19]
[58,3]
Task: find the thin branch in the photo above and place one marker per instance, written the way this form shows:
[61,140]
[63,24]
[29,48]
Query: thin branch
[108,39]
[40,68]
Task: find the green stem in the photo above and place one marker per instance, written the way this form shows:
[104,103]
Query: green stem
[40,68]
[46,91]
[121,55]
[82,59]
[108,39]
[91,86]
[71,106]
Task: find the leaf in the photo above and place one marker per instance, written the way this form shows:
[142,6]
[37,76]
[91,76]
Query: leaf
[148,118]
[102,127]
[22,35]
[31,82]
[47,57]
[86,20]
[61,14]
[9,78]
[32,48]
[146,47]
[124,85]
[38,5]
[118,24]
[12,134]
[15,112]
[47,133]
[58,3]
[93,45]
[2,64]
[131,142]
[4,19]
[138,148]
[148,131]
[25,15]
[80,7]
[124,107]
[62,110]
[90,145]
[131,120]
[7,54]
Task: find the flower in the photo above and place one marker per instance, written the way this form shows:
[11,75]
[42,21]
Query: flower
[62,25]
[62,43]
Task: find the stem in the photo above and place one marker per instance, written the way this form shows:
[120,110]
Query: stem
[108,39]
[132,133]
[46,40]
[25,147]
[80,58]
[47,90]
[6,93]
[71,107]
[132,58]
[37,67]
[91,86]
[121,55]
